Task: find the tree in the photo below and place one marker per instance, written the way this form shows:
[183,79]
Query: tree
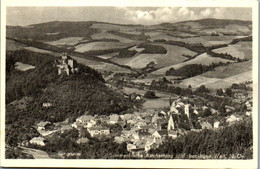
[150,94]
[228,92]
[202,89]
[219,92]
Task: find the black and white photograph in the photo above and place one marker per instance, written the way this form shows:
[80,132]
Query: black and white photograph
[129,83]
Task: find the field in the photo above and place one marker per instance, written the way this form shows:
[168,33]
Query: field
[107,56]
[198,81]
[203,59]
[229,70]
[196,40]
[106,35]
[109,67]
[215,83]
[107,26]
[173,56]
[224,83]
[225,39]
[242,50]
[100,46]
[23,67]
[37,50]
[156,103]
[66,41]
[158,36]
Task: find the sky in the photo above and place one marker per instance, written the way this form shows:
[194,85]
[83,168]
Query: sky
[122,15]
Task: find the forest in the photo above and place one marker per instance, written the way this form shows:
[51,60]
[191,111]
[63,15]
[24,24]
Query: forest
[71,96]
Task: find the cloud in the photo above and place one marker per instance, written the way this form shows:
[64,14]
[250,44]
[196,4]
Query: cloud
[173,14]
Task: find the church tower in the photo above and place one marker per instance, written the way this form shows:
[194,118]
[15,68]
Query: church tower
[186,110]
[170,124]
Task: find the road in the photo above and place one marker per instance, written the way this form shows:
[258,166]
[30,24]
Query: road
[37,154]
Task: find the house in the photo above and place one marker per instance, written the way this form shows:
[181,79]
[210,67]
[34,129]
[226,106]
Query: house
[41,125]
[82,140]
[229,109]
[144,135]
[163,113]
[85,119]
[173,108]
[65,128]
[248,113]
[98,130]
[173,134]
[162,133]
[38,141]
[46,104]
[130,147]
[116,119]
[216,124]
[153,144]
[206,125]
[119,139]
[232,119]
[195,112]
[77,125]
[145,128]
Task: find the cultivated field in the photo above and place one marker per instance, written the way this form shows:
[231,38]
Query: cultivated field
[37,50]
[173,56]
[109,67]
[198,80]
[229,70]
[224,83]
[100,46]
[242,50]
[107,56]
[66,41]
[203,59]
[106,35]
[156,103]
[164,36]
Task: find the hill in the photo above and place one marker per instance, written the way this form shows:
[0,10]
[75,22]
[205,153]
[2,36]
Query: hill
[87,87]
[203,59]
[229,70]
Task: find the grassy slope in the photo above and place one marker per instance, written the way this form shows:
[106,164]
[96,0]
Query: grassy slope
[229,70]
[172,57]
[203,59]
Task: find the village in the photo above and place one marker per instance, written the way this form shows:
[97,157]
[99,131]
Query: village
[142,130]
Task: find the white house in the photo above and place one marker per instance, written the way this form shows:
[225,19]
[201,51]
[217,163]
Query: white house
[38,141]
[98,130]
[216,124]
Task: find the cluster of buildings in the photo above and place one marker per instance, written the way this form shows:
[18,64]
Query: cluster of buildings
[142,131]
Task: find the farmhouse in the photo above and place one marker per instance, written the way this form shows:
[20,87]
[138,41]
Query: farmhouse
[38,141]
[98,130]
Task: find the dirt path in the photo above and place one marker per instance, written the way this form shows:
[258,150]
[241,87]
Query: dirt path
[37,154]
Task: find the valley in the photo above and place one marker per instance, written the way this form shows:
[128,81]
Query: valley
[133,90]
